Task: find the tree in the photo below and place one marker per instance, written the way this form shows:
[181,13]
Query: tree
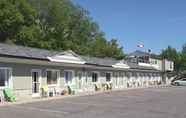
[54,25]
[184,49]
[10,19]
[171,54]
[183,57]
[114,50]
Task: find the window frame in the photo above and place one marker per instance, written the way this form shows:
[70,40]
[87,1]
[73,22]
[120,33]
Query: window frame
[97,76]
[10,84]
[171,66]
[67,83]
[39,79]
[58,77]
[110,76]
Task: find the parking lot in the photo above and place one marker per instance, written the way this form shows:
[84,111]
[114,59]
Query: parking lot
[137,103]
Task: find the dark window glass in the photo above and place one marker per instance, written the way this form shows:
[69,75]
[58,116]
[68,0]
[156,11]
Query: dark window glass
[68,76]
[108,77]
[52,77]
[94,77]
[2,77]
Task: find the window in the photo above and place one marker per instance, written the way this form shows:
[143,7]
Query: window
[68,76]
[117,79]
[156,62]
[108,77]
[4,77]
[171,65]
[36,74]
[52,76]
[94,77]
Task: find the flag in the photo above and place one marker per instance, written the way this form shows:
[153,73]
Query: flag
[140,46]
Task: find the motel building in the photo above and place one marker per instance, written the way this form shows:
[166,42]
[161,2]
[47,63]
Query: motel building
[28,71]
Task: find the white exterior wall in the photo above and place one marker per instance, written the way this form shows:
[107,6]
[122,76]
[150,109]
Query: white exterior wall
[122,78]
[168,65]
[125,80]
[157,63]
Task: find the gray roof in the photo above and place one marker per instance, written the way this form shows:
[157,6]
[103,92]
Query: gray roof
[139,53]
[25,52]
[111,61]
[99,61]
[42,54]
[136,66]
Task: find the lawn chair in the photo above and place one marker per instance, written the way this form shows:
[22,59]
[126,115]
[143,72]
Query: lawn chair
[97,87]
[74,89]
[44,89]
[8,93]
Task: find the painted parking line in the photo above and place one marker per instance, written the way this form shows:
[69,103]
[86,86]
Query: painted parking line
[42,110]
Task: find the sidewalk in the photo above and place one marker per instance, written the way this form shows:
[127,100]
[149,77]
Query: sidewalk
[25,100]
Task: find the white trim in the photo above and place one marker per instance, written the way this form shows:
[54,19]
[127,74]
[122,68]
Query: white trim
[73,75]
[40,82]
[67,57]
[110,77]
[65,61]
[98,75]
[82,82]
[58,77]
[36,62]
[121,64]
[117,79]
[145,64]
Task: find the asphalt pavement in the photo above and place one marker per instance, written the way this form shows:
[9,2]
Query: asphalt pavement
[167,102]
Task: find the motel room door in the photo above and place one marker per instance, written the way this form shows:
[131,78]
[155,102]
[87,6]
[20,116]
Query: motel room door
[36,82]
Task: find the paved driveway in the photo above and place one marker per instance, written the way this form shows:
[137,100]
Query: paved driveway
[139,103]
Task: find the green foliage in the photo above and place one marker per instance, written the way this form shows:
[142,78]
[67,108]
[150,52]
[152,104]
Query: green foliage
[178,58]
[183,57]
[184,49]
[54,25]
[170,53]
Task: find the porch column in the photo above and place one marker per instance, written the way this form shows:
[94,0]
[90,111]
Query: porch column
[120,79]
[133,80]
[154,79]
[130,79]
[151,79]
[143,79]
[85,81]
[124,80]
[136,79]
[147,79]
[115,81]
[139,79]
[159,79]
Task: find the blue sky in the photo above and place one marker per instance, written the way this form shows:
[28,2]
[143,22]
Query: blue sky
[155,23]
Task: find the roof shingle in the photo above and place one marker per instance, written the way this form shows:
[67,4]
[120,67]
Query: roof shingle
[35,53]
